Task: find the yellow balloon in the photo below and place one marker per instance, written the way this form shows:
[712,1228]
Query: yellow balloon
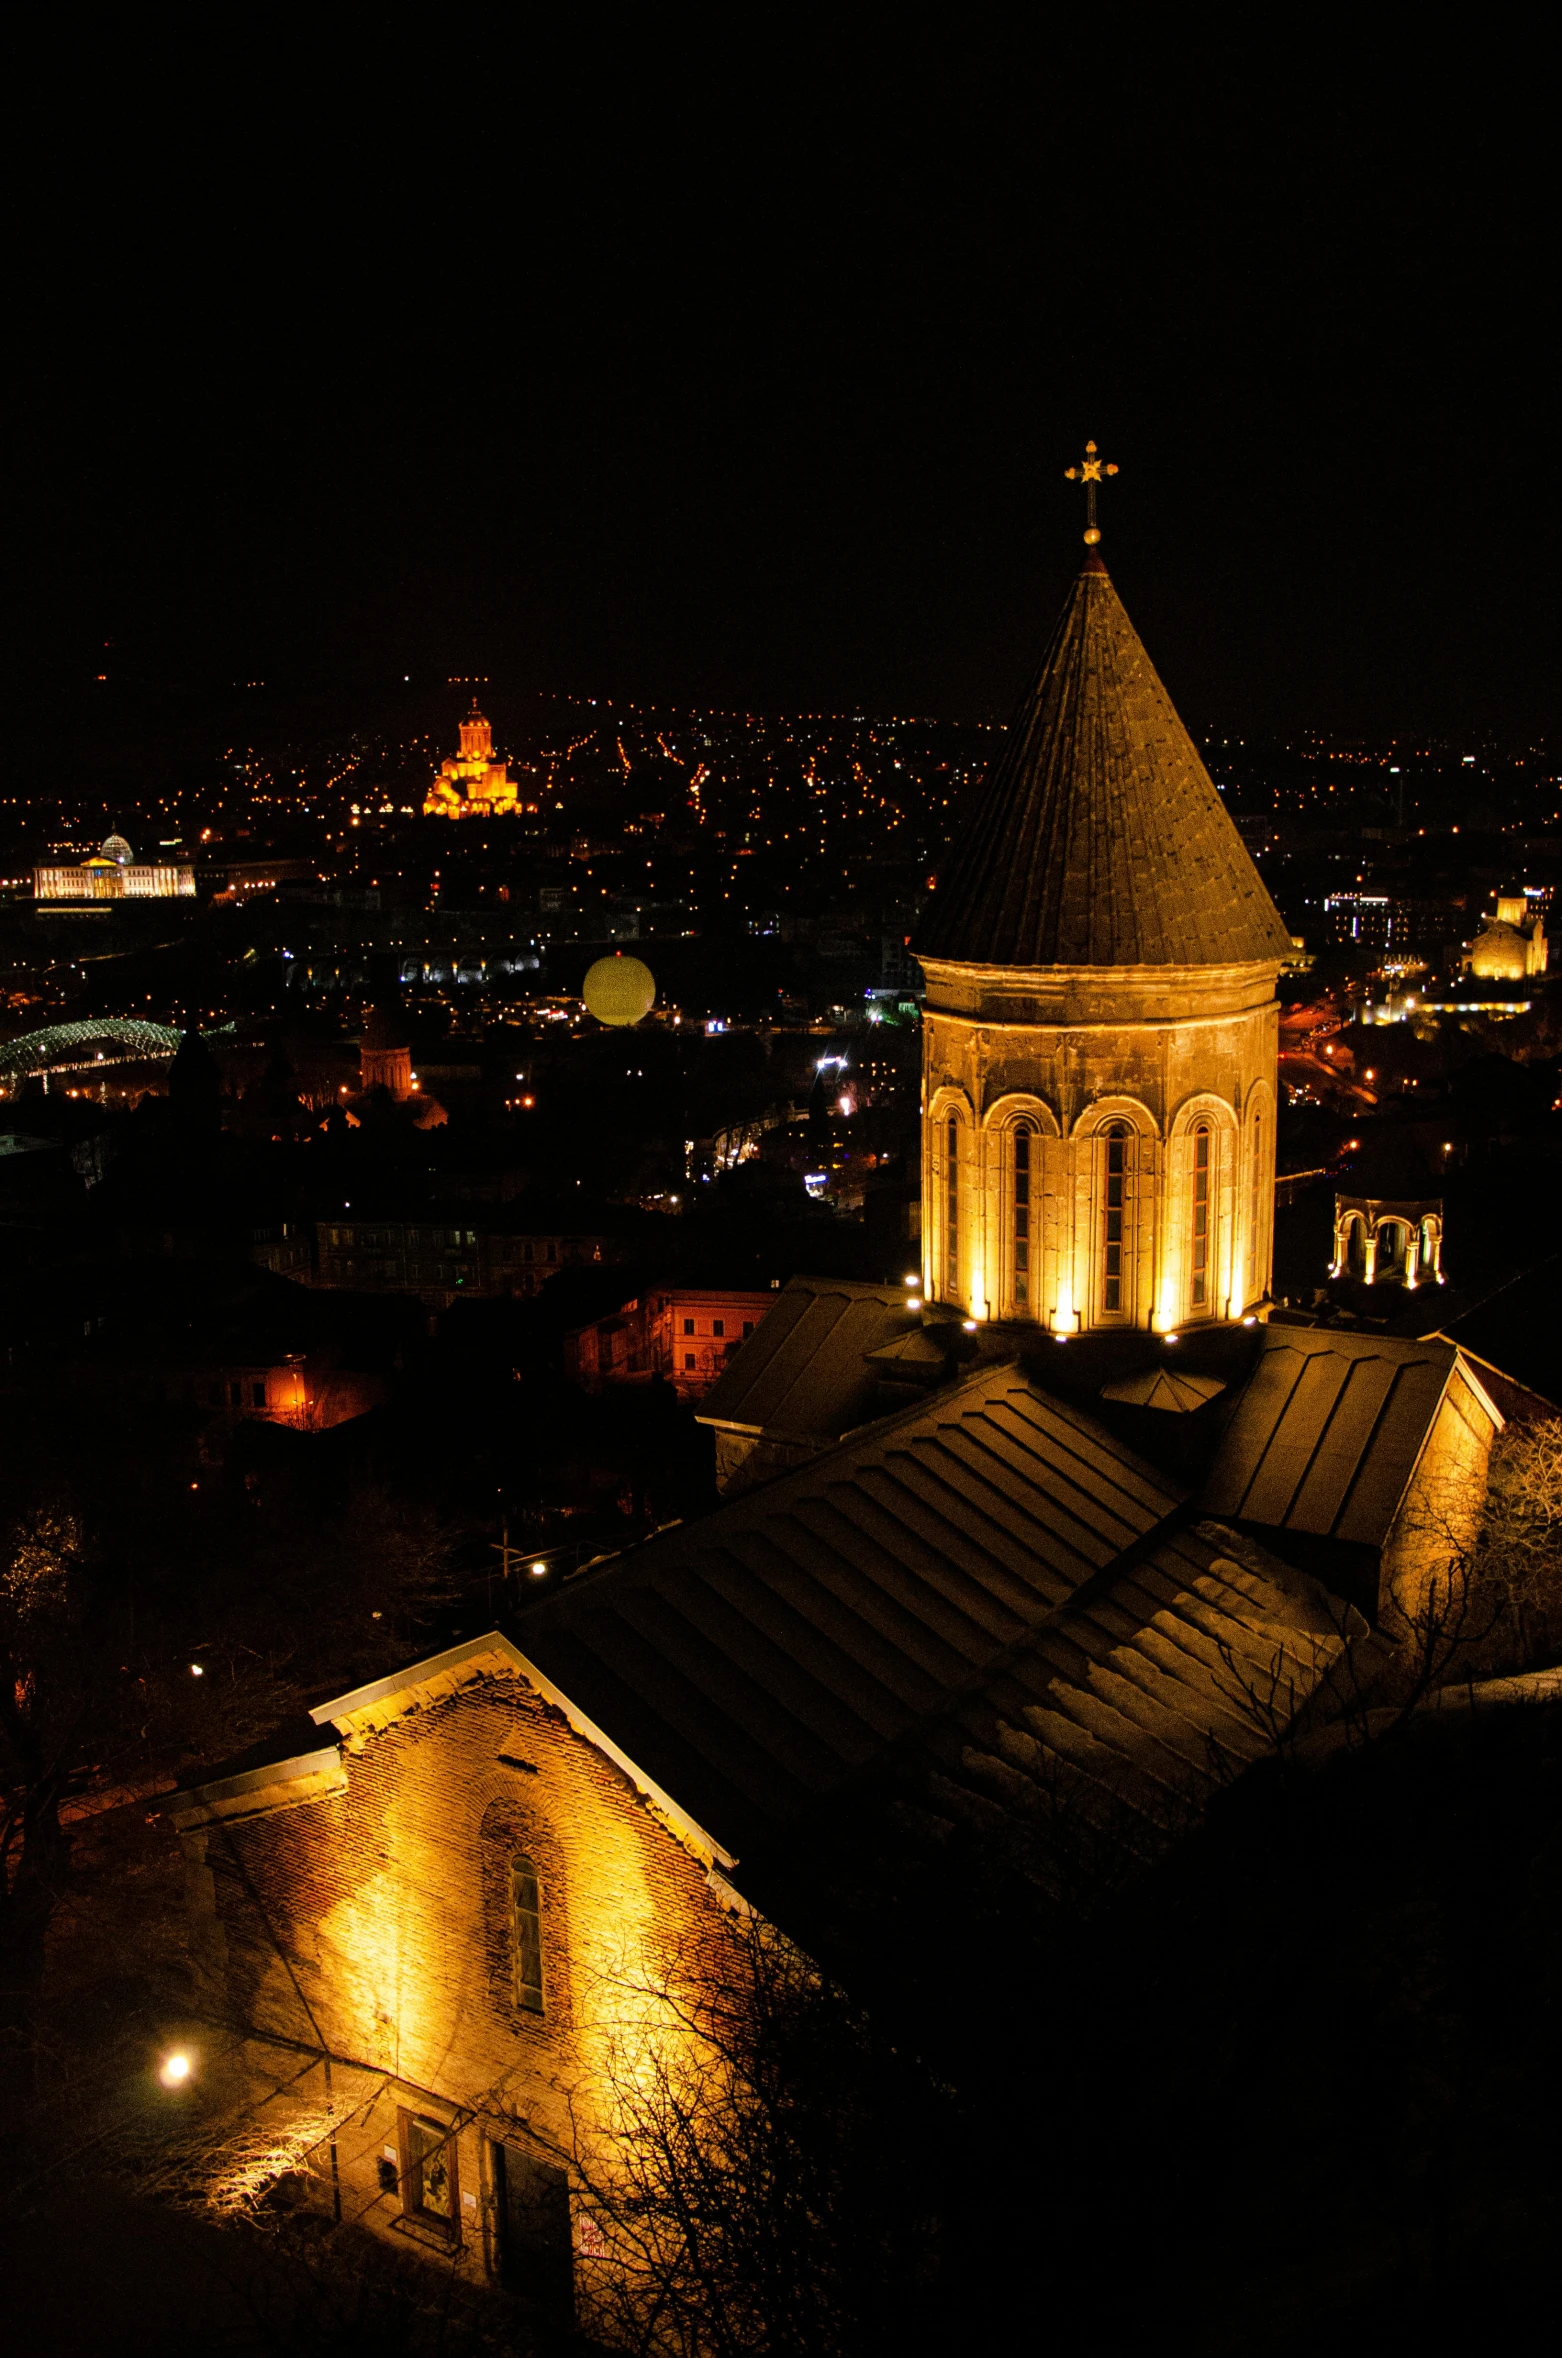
[620,990]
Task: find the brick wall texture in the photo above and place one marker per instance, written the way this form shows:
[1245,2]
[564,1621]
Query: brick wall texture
[376,1925]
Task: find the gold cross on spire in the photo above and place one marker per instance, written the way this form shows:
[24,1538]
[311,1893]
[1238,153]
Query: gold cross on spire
[1090,474]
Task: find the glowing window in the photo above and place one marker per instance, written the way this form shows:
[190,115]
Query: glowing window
[1201,1138]
[526,1933]
[1116,1203]
[1022,1158]
[428,2171]
[952,1211]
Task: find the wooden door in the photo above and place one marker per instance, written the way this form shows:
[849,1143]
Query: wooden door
[535,2258]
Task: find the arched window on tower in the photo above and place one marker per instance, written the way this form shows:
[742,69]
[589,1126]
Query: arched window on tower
[1257,1281]
[1201,1217]
[952,1211]
[1023,1150]
[1117,1207]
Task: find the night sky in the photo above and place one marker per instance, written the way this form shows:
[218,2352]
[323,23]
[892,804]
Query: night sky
[740,364]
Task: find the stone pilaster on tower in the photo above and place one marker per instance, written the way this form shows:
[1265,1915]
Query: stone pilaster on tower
[1099,1062]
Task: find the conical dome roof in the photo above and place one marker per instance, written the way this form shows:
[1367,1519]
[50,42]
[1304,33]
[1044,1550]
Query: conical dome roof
[387,1028]
[1099,838]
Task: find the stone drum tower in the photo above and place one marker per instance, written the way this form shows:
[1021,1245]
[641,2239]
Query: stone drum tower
[1099,1045]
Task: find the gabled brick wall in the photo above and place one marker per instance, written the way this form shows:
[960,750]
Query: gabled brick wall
[375,1923]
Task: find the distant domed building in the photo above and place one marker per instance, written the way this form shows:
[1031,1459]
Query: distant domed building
[1511,945]
[114,874]
[473,785]
[385,1053]
[385,1062]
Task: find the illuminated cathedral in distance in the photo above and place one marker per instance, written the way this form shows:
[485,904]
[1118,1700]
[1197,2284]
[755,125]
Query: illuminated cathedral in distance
[473,785]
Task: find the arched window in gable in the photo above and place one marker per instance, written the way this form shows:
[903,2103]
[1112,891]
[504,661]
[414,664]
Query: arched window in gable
[526,1934]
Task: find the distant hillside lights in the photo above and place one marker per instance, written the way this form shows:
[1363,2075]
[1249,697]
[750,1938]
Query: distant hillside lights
[113,874]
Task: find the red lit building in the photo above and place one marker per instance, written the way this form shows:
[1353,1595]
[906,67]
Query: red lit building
[685,1333]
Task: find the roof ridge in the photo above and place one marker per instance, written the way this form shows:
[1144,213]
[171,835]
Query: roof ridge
[782,1485]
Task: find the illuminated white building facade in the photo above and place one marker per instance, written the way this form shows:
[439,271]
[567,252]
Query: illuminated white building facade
[114,874]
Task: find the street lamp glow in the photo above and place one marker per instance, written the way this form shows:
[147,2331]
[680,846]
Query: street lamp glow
[175,2069]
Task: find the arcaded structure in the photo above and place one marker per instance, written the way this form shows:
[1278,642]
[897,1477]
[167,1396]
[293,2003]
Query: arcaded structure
[1101,1033]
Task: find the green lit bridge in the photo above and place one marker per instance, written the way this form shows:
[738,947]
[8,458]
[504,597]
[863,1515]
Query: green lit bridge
[88,1045]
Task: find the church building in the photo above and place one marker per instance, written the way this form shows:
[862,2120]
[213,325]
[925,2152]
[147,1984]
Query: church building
[1101,1030]
[1027,1527]
[473,785]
